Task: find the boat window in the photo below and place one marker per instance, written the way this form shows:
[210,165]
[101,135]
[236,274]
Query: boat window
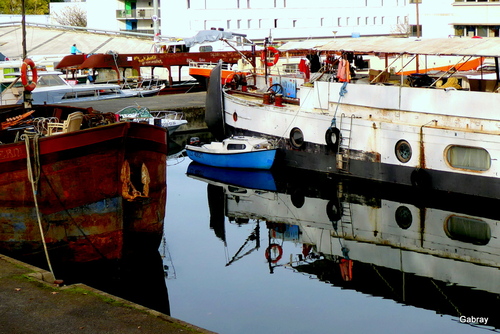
[70,95]
[467,229]
[50,80]
[403,151]
[206,48]
[236,147]
[110,91]
[85,93]
[465,157]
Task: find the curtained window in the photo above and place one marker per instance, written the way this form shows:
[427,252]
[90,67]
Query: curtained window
[465,157]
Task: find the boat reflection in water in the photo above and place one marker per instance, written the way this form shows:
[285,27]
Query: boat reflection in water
[129,266]
[440,254]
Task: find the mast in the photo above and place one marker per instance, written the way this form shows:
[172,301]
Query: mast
[27,99]
[23,26]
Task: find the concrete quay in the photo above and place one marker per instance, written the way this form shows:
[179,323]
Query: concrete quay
[31,303]
[178,102]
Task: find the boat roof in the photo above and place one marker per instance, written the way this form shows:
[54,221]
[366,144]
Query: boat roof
[466,46]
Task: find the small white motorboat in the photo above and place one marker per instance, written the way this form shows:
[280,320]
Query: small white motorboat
[235,152]
[171,120]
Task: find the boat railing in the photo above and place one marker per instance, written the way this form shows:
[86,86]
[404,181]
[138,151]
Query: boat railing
[168,114]
[141,82]
[210,65]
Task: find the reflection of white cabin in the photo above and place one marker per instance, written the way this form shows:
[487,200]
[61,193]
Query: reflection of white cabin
[451,247]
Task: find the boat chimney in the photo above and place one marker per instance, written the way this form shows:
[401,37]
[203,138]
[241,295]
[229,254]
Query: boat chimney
[267,98]
[278,100]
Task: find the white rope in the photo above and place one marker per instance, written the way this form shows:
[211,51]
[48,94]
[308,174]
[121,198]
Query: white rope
[34,180]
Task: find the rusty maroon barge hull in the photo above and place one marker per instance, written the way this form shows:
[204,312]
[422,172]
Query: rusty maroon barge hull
[93,185]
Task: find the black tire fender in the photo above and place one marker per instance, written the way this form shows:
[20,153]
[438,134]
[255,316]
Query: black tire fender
[332,138]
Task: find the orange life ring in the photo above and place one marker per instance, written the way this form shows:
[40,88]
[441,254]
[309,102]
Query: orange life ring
[273,248]
[24,74]
[274,52]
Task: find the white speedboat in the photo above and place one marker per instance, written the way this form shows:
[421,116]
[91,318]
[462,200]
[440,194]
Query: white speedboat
[51,89]
[171,120]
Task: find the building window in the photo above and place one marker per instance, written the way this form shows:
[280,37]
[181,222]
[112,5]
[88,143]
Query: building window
[188,4]
[294,23]
[276,23]
[338,21]
[249,24]
[228,24]
[469,158]
[416,31]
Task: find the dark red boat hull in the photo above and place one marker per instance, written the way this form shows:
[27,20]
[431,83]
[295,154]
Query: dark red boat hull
[94,184]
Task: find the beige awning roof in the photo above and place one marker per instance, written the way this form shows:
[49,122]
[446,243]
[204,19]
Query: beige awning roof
[466,46]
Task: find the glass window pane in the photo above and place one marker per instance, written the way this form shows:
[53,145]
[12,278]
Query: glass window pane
[472,158]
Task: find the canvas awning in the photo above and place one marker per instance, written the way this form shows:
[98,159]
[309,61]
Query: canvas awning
[466,46]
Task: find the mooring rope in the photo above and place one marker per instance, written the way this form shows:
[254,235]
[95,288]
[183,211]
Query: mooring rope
[342,92]
[34,181]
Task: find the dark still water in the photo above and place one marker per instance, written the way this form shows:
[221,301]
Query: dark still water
[247,252]
[255,252]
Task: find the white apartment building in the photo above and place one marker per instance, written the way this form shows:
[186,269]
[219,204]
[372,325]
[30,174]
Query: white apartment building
[283,19]
[296,19]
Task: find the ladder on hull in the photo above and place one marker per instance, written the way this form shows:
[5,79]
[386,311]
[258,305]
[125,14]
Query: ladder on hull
[345,144]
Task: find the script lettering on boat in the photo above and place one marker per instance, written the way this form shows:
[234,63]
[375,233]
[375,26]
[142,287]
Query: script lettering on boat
[148,60]
[10,153]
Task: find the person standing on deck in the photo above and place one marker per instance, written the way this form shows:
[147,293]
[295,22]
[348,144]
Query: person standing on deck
[74,50]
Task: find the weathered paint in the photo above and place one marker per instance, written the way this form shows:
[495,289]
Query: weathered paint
[79,191]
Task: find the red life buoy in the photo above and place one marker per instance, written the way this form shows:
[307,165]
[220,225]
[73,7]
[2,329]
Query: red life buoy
[274,53]
[24,74]
[276,250]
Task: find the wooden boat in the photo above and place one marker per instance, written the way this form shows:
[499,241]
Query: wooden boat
[235,152]
[423,131]
[81,177]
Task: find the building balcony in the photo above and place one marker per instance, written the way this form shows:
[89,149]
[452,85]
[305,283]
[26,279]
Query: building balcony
[134,14]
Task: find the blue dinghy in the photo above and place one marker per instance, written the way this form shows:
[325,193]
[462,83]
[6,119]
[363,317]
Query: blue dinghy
[235,152]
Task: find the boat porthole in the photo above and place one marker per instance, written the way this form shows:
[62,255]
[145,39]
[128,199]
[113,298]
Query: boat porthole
[235,117]
[403,217]
[296,138]
[403,151]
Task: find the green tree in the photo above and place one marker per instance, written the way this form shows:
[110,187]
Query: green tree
[32,7]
